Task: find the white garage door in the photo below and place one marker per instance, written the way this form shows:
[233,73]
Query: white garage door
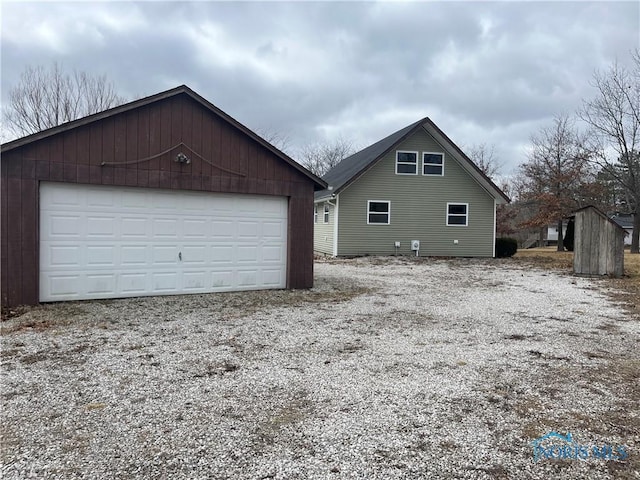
[111,242]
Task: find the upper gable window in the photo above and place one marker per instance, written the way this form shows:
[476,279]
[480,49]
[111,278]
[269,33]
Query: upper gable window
[432,163]
[406,163]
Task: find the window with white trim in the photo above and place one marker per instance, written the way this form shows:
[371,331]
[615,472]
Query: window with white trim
[406,163]
[378,212]
[433,163]
[325,216]
[457,214]
[315,213]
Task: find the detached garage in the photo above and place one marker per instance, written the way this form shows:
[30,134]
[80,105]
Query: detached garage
[164,195]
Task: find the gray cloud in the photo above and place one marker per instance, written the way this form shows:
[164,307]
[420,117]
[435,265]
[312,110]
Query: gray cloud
[484,72]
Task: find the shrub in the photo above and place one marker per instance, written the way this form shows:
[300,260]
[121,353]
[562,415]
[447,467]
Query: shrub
[506,247]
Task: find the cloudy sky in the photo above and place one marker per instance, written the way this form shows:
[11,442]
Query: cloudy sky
[484,72]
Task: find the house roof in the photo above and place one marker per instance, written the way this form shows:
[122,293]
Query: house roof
[181,90]
[353,167]
[625,220]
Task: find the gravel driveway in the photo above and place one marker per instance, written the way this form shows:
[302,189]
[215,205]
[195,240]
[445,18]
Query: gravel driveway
[388,368]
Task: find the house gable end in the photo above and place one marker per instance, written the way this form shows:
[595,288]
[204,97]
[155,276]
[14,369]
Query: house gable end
[417,207]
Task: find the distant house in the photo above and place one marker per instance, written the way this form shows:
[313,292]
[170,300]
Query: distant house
[552,233]
[412,193]
[626,222]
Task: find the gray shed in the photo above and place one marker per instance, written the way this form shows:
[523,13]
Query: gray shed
[598,244]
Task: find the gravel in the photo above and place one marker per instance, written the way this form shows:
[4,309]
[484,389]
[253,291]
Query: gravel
[389,368]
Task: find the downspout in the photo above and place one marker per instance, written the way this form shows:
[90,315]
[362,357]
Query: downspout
[335,228]
[495,220]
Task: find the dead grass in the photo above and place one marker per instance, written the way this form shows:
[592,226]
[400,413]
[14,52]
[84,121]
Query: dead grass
[625,289]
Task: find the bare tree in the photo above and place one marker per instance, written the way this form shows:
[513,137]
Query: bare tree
[319,158]
[485,159]
[276,138]
[613,117]
[557,175]
[45,98]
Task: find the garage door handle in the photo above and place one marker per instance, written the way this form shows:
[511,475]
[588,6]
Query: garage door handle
[180,256]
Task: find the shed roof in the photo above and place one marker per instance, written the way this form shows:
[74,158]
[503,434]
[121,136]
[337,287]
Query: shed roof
[353,167]
[180,90]
[599,212]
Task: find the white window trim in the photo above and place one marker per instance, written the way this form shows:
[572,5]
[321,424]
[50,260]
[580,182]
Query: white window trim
[466,223]
[369,202]
[315,213]
[417,164]
[433,164]
[325,213]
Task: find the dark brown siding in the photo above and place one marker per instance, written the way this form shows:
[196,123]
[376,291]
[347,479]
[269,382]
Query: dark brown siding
[124,150]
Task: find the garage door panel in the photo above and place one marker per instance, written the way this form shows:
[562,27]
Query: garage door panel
[109,242]
[273,254]
[103,284]
[164,255]
[194,254]
[247,254]
[134,200]
[223,229]
[164,201]
[193,204]
[195,281]
[63,287]
[194,228]
[100,227]
[59,198]
[134,228]
[248,278]
[272,277]
[97,198]
[273,208]
[62,256]
[62,226]
[273,230]
[133,283]
[165,281]
[222,279]
[222,254]
[101,256]
[248,230]
[133,255]
[165,228]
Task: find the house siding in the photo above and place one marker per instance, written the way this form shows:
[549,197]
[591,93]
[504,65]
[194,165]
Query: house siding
[323,232]
[418,209]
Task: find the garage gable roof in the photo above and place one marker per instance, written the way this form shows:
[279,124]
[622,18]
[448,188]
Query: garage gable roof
[353,167]
[181,90]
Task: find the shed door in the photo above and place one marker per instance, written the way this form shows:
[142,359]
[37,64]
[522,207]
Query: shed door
[111,242]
